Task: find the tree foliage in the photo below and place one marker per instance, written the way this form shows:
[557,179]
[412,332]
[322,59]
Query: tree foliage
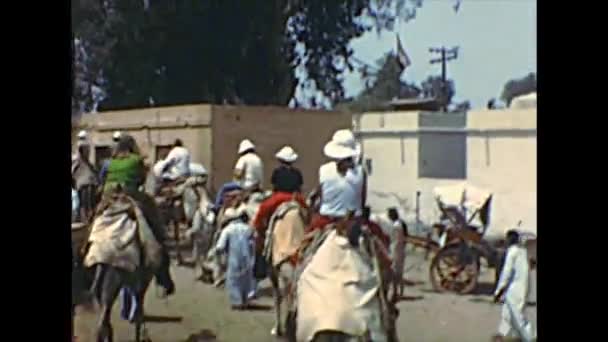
[443,92]
[518,87]
[219,51]
[382,85]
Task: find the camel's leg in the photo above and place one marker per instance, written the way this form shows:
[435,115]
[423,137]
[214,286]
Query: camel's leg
[141,333]
[276,287]
[96,285]
[395,294]
[110,287]
[178,254]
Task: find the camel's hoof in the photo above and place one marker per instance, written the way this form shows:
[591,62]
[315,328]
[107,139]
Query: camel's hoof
[274,332]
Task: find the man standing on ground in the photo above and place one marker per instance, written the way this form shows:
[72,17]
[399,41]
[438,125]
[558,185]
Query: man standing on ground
[236,241]
[397,250]
[513,288]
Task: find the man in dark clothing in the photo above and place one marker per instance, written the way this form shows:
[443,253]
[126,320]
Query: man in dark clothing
[287,184]
[286,178]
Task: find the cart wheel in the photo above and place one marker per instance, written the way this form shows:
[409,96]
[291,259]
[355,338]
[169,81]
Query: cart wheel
[450,273]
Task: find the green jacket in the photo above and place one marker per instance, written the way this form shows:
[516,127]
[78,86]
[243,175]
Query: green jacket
[127,172]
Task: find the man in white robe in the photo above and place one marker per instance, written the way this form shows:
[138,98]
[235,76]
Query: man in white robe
[513,288]
[236,240]
[177,162]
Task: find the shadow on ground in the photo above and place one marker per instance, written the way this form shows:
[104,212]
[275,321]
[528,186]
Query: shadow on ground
[481,300]
[265,292]
[483,289]
[429,291]
[258,307]
[162,319]
[409,298]
[204,335]
[411,283]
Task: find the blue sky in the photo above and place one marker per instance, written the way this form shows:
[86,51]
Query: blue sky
[497,40]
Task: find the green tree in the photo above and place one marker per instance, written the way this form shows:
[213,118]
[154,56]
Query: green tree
[443,92]
[382,85]
[460,107]
[518,87]
[221,51]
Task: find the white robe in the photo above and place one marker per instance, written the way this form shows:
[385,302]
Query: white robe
[177,162]
[236,239]
[514,278]
[338,291]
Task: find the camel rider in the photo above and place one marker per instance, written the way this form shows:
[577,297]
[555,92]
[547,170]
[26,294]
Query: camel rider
[337,194]
[82,141]
[177,163]
[104,167]
[356,175]
[338,279]
[85,181]
[287,185]
[248,173]
[192,197]
[127,171]
[341,181]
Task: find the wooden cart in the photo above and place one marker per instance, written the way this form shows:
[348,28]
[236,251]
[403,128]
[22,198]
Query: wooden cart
[465,218]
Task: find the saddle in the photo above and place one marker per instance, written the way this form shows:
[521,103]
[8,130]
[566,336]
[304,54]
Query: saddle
[275,255]
[371,299]
[120,234]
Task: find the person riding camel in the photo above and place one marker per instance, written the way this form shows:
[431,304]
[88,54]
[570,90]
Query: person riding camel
[356,175]
[341,182]
[287,185]
[85,180]
[248,173]
[177,163]
[336,290]
[104,167]
[82,140]
[126,171]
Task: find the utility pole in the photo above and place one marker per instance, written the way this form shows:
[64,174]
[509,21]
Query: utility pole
[446,56]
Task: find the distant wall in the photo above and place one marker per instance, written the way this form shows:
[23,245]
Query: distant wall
[152,127]
[212,134]
[499,154]
[270,128]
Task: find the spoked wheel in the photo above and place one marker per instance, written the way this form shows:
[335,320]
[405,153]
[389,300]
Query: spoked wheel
[450,271]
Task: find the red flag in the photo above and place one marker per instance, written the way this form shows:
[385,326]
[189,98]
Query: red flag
[402,57]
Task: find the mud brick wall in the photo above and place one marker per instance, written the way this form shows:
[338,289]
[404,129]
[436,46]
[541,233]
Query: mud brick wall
[270,128]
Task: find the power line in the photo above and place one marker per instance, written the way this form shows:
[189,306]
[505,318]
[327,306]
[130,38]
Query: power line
[446,56]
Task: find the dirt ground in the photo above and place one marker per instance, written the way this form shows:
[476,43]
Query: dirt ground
[198,311]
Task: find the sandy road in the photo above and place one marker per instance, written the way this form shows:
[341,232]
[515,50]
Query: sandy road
[200,309]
